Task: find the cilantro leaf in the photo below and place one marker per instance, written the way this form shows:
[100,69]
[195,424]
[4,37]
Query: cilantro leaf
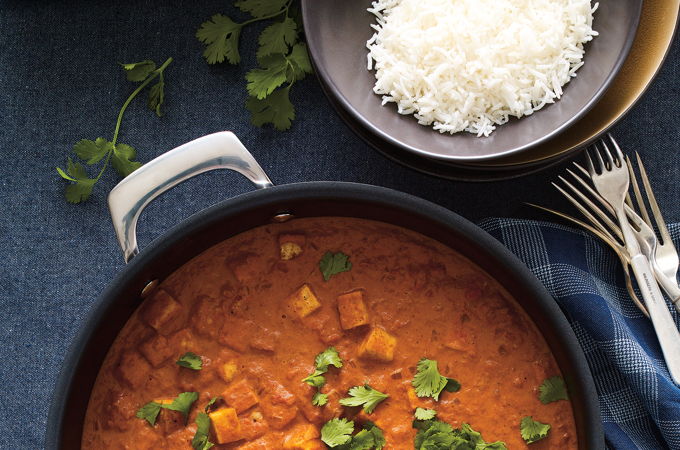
[261,8]
[121,160]
[333,264]
[157,96]
[262,82]
[552,390]
[200,440]
[182,403]
[425,414]
[364,396]
[532,430]
[299,63]
[221,35]
[82,185]
[212,401]
[277,37]
[438,435]
[328,357]
[140,70]
[149,412]
[319,399]
[428,382]
[377,433]
[92,151]
[315,379]
[192,361]
[337,432]
[276,109]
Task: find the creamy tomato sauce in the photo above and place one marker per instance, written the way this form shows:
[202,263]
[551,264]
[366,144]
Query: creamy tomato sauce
[239,305]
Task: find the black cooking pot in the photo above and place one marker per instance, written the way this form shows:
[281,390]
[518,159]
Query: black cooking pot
[280,203]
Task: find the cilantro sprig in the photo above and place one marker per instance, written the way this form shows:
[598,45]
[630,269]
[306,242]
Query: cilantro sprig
[181,403]
[533,430]
[328,357]
[438,435]
[282,57]
[200,440]
[120,156]
[190,361]
[337,433]
[552,390]
[424,414]
[364,396]
[333,264]
[428,382]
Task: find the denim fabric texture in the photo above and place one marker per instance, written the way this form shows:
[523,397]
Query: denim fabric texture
[60,82]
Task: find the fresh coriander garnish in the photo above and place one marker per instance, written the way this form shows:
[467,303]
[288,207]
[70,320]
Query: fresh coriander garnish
[190,361]
[210,404]
[436,435]
[282,58]
[337,432]
[120,156]
[328,357]
[181,403]
[315,379]
[552,390]
[364,396]
[200,440]
[319,399]
[334,263]
[532,430]
[371,437]
[428,382]
[425,414]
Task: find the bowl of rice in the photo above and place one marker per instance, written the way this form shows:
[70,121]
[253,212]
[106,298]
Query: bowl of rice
[467,81]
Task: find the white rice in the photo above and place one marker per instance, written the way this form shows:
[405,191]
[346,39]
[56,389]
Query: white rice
[470,65]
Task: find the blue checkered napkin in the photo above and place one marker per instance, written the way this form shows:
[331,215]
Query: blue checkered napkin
[639,403]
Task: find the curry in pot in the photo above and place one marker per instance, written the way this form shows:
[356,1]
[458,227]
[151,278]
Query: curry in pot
[329,333]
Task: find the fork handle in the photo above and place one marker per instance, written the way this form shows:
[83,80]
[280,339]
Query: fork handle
[664,326]
[671,289]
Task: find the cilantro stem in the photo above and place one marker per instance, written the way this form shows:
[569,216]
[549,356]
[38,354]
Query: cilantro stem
[278,13]
[152,77]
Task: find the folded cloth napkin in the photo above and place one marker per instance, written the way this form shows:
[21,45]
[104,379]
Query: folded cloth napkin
[639,403]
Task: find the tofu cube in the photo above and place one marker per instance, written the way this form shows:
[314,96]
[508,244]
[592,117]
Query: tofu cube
[227,371]
[314,444]
[378,345]
[225,425]
[299,435]
[156,350]
[352,309]
[303,301]
[253,426]
[240,396]
[163,313]
[132,370]
[291,245]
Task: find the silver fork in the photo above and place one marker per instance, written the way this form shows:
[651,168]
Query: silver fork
[612,184]
[665,261]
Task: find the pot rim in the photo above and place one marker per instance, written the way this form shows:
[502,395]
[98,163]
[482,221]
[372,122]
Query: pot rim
[321,191]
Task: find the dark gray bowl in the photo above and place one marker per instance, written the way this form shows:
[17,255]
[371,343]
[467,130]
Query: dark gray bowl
[337,33]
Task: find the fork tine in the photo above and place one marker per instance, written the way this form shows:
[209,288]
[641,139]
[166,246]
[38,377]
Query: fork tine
[660,223]
[584,211]
[590,190]
[603,166]
[594,208]
[610,158]
[619,153]
[638,195]
[589,161]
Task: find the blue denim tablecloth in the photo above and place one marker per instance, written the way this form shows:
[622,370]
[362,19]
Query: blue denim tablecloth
[59,82]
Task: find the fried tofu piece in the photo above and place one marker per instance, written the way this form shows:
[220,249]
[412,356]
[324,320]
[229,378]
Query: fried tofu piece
[299,435]
[352,309]
[156,350]
[291,245]
[314,444]
[227,371]
[163,313]
[240,396]
[253,425]
[169,421]
[265,340]
[278,415]
[303,301]
[378,345]
[260,444]
[132,369]
[225,425]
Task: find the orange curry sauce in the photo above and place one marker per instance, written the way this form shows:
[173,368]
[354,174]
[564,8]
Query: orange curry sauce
[236,306]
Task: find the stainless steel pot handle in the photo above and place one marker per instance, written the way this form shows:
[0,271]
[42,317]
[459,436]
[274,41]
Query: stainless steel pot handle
[128,199]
